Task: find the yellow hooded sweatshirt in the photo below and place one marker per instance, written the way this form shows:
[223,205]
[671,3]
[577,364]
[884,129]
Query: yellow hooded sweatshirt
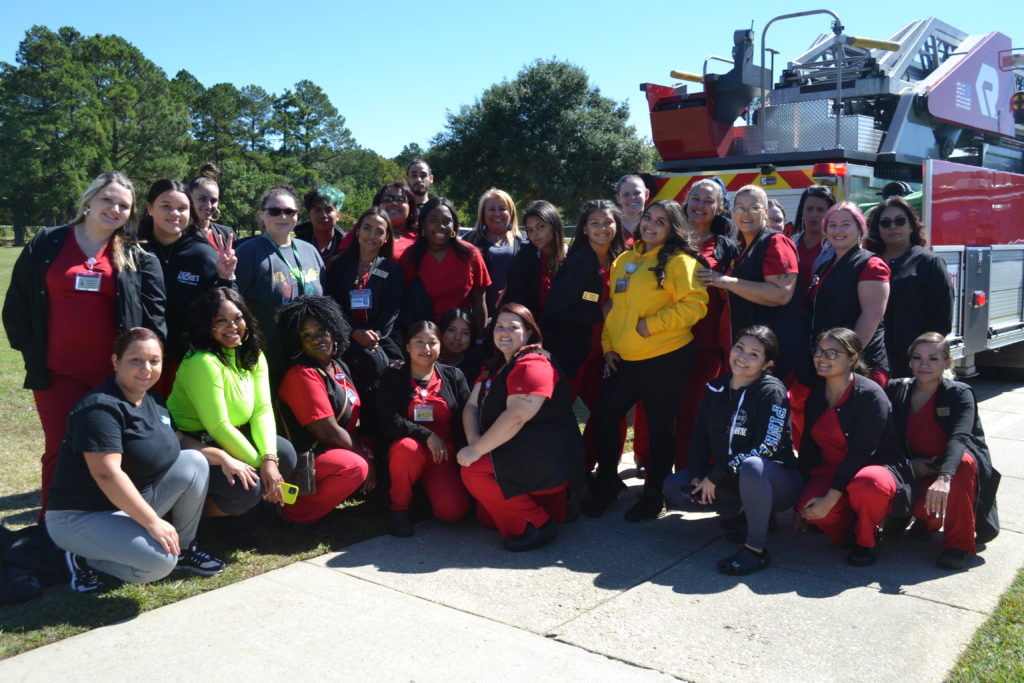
[670,312]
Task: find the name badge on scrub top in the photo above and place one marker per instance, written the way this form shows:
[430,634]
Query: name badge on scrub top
[380,273]
[359,299]
[621,285]
[591,296]
[421,412]
[88,282]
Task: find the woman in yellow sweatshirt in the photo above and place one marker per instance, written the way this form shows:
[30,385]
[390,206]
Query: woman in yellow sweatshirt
[646,341]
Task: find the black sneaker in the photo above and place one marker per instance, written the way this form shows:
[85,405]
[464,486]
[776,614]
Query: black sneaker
[194,560]
[84,579]
[646,509]
[604,493]
[400,524]
[951,558]
[532,537]
[744,561]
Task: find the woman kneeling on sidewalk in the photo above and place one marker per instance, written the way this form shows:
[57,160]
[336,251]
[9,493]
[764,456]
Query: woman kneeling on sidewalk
[120,471]
[525,454]
[741,445]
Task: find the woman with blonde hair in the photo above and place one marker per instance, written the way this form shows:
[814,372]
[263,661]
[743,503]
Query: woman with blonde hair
[498,238]
[86,275]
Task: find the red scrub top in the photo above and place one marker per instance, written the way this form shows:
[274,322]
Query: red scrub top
[876,270]
[430,397]
[450,281]
[532,374]
[828,434]
[545,280]
[925,436]
[302,388]
[806,256]
[81,324]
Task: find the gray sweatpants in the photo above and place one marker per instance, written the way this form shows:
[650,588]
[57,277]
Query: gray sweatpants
[114,543]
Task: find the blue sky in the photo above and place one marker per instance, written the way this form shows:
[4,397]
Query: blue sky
[394,69]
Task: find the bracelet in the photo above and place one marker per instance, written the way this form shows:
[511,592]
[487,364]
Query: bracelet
[272,458]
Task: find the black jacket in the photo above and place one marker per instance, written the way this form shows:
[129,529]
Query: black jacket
[385,285]
[140,300]
[757,416]
[304,231]
[547,451]
[837,304]
[784,320]
[189,268]
[573,307]
[956,411]
[920,300]
[396,392]
[524,280]
[862,417]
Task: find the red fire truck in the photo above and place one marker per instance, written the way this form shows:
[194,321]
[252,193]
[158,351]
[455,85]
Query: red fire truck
[930,106]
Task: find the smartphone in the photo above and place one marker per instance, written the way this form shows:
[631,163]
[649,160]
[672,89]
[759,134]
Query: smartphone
[289,492]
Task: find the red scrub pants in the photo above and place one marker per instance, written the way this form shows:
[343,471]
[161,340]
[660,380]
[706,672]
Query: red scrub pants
[410,462]
[865,504]
[959,520]
[510,515]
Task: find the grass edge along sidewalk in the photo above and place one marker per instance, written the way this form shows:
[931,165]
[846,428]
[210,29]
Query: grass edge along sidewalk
[995,653]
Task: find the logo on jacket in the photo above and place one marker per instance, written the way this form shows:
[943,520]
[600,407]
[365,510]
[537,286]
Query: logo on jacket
[187,278]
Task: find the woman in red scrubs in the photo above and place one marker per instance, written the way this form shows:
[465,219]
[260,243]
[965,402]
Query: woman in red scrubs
[851,289]
[73,288]
[524,451]
[451,270]
[937,424]
[322,406]
[420,406]
[851,483]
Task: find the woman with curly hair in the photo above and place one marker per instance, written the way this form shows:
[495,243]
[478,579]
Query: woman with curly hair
[920,289]
[222,397]
[322,405]
[656,301]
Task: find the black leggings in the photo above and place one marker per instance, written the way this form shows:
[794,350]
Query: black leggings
[233,499]
[657,383]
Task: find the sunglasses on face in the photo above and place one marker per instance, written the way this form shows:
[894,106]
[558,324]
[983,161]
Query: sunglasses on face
[899,222]
[277,211]
[392,199]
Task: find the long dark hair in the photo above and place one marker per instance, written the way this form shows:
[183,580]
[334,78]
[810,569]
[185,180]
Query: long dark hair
[850,342]
[325,311]
[767,339]
[678,236]
[819,191]
[387,250]
[874,241]
[157,189]
[200,338]
[579,238]
[545,211]
[419,247]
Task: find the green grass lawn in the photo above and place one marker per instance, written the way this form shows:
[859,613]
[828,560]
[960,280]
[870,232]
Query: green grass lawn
[995,654]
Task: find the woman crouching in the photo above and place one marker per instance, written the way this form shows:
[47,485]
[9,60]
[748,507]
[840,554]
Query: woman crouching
[525,450]
[120,471]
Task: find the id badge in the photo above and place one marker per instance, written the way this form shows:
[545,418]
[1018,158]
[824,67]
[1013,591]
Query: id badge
[359,299]
[88,282]
[422,414]
[621,285]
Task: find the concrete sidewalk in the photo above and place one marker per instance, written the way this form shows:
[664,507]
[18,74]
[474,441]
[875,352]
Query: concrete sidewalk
[608,601]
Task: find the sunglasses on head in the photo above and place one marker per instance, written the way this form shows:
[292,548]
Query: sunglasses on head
[899,222]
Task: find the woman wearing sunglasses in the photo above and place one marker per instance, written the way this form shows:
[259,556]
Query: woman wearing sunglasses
[920,289]
[275,268]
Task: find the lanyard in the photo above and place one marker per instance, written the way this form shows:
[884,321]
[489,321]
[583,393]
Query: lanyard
[296,269]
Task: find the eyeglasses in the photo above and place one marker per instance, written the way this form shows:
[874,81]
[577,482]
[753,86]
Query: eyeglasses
[828,354]
[237,321]
[276,211]
[392,199]
[752,209]
[899,222]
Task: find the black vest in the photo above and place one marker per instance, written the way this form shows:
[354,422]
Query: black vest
[837,304]
[299,436]
[547,451]
[784,321]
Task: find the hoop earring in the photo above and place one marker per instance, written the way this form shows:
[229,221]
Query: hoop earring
[215,216]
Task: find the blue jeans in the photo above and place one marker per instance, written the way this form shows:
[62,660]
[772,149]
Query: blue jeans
[113,543]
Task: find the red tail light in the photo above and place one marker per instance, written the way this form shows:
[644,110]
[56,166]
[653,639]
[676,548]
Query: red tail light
[829,169]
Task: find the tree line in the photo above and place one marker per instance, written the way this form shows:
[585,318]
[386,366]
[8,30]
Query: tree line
[72,106]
